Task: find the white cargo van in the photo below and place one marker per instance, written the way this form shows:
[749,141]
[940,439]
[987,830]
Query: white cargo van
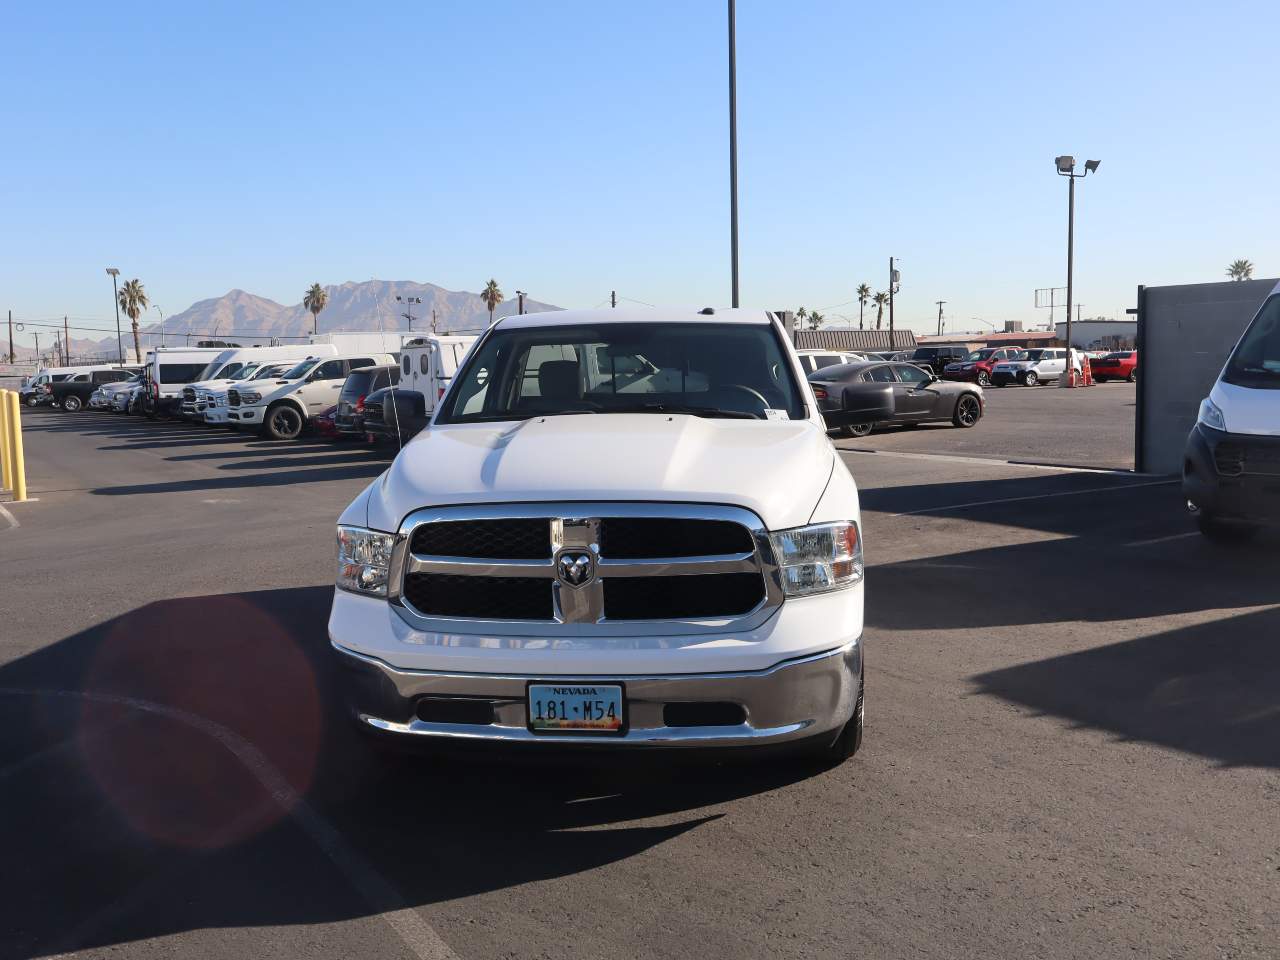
[1231,469]
[169,370]
[427,364]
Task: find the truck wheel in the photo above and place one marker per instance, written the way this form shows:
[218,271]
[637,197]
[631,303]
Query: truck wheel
[282,423]
[1031,378]
[849,739]
[71,403]
[968,411]
[1222,531]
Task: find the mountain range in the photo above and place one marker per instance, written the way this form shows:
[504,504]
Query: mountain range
[246,318]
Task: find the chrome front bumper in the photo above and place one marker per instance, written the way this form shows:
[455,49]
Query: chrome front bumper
[793,700]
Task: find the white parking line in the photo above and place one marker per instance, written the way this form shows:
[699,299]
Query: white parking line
[990,462]
[1037,496]
[1172,536]
[12,520]
[378,892]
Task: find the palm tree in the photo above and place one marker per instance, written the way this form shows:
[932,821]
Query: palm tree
[864,295]
[1240,270]
[816,320]
[492,296]
[315,299]
[880,299]
[133,300]
[801,316]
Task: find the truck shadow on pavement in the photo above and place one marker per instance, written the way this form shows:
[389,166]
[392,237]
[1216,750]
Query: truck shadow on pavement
[188,766]
[1110,562]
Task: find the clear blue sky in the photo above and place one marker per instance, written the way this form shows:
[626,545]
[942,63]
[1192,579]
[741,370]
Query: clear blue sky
[570,148]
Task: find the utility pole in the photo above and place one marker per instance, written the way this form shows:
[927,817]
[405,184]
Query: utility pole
[66,341]
[37,336]
[12,358]
[115,300]
[940,303]
[521,294]
[613,298]
[1066,167]
[433,319]
[733,150]
[892,274]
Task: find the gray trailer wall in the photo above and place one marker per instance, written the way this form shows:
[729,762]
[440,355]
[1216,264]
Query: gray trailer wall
[1184,336]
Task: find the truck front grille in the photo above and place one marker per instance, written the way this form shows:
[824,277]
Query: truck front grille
[512,539]
[644,562]
[677,598]
[1237,457]
[491,598]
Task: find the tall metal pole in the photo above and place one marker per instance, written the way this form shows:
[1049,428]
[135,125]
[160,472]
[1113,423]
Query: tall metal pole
[613,298]
[115,287]
[940,303]
[1069,371]
[892,344]
[12,358]
[66,341]
[733,150]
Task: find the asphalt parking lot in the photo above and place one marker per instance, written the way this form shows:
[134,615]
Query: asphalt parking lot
[1073,744]
[1092,426]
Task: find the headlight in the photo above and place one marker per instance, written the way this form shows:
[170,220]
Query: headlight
[826,556]
[250,397]
[364,560]
[1210,415]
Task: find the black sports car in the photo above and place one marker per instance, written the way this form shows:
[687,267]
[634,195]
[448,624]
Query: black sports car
[918,395]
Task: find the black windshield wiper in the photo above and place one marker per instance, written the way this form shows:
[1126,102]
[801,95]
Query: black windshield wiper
[692,411]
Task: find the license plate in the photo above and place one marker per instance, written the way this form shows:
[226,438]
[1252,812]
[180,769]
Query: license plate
[569,707]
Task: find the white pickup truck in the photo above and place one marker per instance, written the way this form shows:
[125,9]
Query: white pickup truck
[619,528]
[279,409]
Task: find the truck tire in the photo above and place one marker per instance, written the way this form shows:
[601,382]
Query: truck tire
[71,403]
[849,739]
[282,422]
[1221,531]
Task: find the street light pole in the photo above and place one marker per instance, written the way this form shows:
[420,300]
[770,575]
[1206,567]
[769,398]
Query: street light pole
[733,150]
[1067,168]
[940,303]
[157,309]
[115,301]
[520,308]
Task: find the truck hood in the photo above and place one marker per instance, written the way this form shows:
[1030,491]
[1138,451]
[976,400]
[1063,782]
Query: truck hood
[777,469]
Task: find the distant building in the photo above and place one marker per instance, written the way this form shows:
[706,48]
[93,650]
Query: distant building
[856,341]
[976,341]
[1101,334]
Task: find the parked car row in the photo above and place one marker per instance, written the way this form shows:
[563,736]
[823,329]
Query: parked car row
[278,391]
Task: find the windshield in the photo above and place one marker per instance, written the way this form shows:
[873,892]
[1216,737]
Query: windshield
[298,372]
[245,372]
[1255,362]
[709,369]
[979,355]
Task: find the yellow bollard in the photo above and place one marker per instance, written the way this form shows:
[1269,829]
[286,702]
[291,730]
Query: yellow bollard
[17,468]
[6,482]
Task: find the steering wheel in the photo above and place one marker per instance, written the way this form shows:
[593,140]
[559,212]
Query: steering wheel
[750,391]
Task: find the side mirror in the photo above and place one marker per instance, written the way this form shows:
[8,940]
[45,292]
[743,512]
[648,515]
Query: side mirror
[863,403]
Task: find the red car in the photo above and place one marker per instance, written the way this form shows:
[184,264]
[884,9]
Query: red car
[976,367]
[324,424]
[1121,365]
